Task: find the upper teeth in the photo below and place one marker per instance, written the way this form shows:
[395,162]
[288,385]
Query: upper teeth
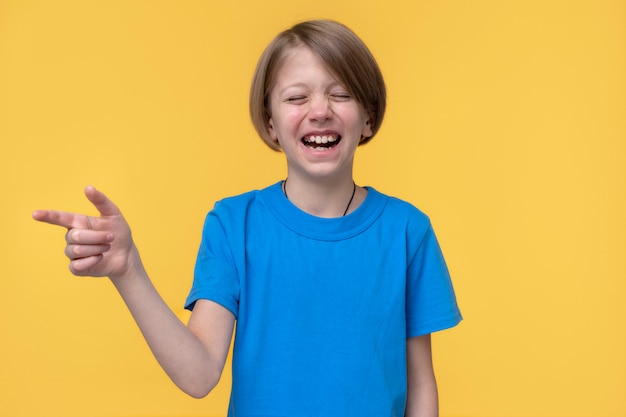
[321,139]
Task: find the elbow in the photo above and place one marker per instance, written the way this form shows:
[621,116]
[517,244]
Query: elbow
[200,389]
[198,393]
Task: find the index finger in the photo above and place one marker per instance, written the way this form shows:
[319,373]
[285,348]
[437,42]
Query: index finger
[58,218]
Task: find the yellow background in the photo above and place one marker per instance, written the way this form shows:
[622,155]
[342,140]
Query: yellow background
[506,124]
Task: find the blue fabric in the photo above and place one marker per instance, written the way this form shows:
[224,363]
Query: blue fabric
[323,306]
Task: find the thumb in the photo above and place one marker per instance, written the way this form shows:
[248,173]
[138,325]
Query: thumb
[101,202]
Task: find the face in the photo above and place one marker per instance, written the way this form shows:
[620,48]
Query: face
[316,121]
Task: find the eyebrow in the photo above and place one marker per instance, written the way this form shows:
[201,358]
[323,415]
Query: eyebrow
[305,85]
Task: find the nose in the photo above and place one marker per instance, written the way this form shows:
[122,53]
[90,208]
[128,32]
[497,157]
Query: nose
[319,109]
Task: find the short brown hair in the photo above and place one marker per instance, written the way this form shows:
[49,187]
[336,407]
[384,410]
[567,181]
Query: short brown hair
[346,56]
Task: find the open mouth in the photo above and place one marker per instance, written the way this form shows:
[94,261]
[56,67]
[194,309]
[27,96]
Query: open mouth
[321,143]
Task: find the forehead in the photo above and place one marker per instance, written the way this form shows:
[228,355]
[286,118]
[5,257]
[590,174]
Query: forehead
[299,51]
[301,64]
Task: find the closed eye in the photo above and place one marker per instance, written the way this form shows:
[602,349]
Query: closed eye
[341,96]
[295,99]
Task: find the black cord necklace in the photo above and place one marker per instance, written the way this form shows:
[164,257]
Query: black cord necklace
[349,202]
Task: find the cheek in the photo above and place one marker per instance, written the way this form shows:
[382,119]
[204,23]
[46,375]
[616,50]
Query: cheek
[287,121]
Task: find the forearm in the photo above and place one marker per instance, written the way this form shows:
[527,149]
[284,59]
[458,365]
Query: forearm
[180,353]
[103,246]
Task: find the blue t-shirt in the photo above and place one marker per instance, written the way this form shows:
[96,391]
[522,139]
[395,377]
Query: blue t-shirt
[323,306]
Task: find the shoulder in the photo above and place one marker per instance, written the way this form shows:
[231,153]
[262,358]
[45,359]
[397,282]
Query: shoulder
[235,213]
[243,201]
[230,216]
[403,211]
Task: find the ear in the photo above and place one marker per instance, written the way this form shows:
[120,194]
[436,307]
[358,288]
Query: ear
[367,129]
[270,129]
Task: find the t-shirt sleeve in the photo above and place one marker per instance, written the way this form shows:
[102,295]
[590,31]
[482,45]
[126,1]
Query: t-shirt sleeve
[431,302]
[215,273]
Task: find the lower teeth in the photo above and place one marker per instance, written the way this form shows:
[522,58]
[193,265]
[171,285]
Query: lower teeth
[321,146]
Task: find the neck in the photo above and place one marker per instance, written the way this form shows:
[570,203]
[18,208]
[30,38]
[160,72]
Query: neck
[324,199]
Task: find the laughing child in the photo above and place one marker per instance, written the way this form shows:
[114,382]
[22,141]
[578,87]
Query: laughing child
[335,288]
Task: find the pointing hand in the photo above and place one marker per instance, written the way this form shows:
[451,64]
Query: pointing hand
[96,246]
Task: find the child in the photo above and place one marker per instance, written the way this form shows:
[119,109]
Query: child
[335,288]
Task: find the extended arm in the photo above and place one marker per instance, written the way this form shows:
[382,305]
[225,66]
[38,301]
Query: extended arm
[193,356]
[422,398]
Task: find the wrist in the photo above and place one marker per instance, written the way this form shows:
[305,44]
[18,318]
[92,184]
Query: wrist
[132,270]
